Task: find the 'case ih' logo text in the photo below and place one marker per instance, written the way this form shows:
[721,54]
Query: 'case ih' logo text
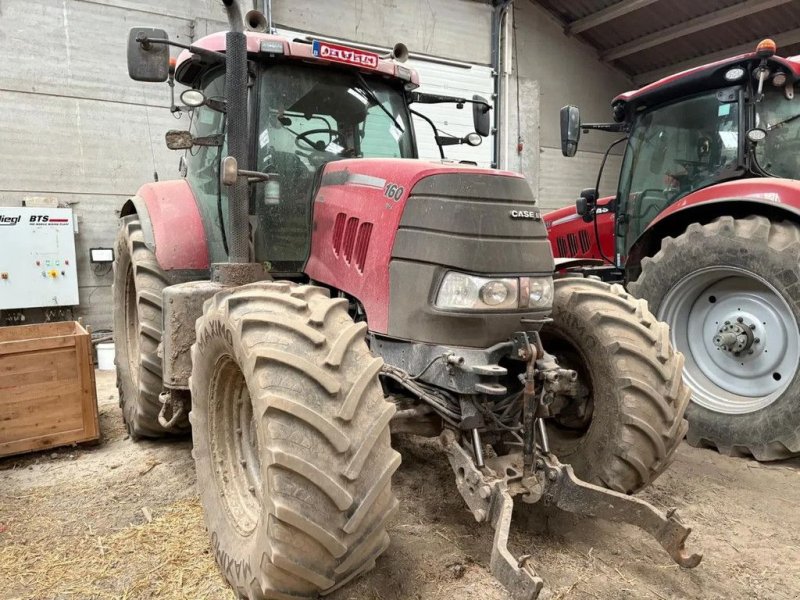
[525,214]
[343,54]
[4,220]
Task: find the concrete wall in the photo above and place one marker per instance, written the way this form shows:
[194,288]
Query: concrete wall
[563,71]
[75,128]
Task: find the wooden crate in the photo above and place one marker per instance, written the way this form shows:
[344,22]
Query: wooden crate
[47,389]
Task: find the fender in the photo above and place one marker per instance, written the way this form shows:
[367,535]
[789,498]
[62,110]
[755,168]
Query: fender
[171,224]
[771,197]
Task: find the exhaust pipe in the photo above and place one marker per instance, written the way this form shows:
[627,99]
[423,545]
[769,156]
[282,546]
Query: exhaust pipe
[398,53]
[236,93]
[256,21]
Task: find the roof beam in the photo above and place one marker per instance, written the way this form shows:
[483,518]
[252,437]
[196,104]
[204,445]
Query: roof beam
[787,38]
[604,16]
[691,26]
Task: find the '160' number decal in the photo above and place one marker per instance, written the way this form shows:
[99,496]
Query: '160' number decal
[393,191]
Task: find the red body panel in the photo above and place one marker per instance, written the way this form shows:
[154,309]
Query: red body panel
[783,193]
[357,212]
[178,232]
[572,237]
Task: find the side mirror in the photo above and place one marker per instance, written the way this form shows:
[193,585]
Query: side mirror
[148,61]
[179,140]
[586,204]
[480,116]
[570,130]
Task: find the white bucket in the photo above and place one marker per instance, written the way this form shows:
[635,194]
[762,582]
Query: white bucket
[105,356]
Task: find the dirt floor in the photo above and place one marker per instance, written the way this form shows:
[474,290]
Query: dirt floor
[122,520]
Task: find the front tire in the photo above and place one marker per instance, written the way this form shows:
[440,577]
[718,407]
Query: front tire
[730,291]
[631,415]
[136,291]
[291,440]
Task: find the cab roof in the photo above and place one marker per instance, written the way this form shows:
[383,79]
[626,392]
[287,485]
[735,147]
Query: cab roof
[698,79]
[189,65]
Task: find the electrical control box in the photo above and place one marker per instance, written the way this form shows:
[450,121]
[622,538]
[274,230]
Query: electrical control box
[37,258]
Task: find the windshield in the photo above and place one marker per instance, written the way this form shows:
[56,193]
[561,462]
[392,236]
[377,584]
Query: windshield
[779,153]
[674,150]
[309,116]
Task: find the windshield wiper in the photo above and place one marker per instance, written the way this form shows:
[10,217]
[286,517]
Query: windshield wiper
[782,123]
[374,99]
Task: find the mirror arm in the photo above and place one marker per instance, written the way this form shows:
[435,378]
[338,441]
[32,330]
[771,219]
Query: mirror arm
[448,140]
[146,41]
[423,98]
[611,127]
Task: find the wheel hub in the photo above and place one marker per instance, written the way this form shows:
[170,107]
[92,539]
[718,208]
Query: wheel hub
[736,338]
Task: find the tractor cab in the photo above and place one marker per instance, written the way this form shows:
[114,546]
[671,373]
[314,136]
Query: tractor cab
[703,226]
[729,120]
[311,103]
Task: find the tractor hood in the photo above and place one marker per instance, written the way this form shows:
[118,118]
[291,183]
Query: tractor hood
[387,230]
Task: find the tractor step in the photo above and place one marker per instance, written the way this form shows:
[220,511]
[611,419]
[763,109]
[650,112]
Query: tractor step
[489,494]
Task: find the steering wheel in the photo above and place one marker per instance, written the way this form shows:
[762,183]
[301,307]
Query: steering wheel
[302,141]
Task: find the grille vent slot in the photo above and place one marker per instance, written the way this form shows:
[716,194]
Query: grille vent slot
[572,240]
[362,245]
[349,238]
[338,232]
[562,246]
[583,237]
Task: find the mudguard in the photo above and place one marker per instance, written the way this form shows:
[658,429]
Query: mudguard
[171,224]
[770,197]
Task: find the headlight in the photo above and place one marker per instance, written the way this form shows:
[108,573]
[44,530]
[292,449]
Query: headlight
[540,292]
[469,292]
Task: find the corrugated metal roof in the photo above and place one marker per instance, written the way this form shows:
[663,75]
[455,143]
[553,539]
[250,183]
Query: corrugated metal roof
[648,39]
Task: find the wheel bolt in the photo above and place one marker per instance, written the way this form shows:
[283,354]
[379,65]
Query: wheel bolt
[252,489]
[752,325]
[243,463]
[740,320]
[749,351]
[727,322]
[757,340]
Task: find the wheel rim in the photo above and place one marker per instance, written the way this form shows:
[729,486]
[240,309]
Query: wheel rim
[738,335]
[132,325]
[567,431]
[234,445]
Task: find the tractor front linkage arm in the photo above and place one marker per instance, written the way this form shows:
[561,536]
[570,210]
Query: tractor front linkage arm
[536,475]
[490,496]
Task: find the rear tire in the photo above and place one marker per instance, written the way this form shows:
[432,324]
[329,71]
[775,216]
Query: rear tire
[635,397]
[136,292]
[749,268]
[291,440]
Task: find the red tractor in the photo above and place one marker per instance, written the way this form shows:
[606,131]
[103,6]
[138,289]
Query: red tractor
[310,287]
[705,226]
